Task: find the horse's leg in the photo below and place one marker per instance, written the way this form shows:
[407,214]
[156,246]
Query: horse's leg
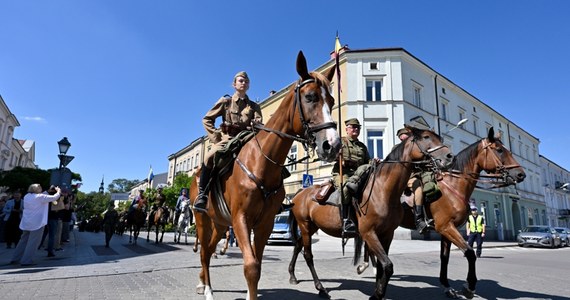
[364,265]
[450,233]
[384,264]
[204,234]
[445,248]
[296,250]
[227,241]
[130,234]
[148,228]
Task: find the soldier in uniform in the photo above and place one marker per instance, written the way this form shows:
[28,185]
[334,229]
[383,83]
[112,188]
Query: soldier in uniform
[238,113]
[110,220]
[355,163]
[421,183]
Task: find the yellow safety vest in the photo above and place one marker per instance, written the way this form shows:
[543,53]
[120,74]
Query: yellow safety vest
[476,225]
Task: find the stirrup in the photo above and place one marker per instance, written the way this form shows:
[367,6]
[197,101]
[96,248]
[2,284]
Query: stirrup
[348,226]
[200,206]
[423,227]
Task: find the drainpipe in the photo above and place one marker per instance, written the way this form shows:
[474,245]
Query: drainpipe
[437,104]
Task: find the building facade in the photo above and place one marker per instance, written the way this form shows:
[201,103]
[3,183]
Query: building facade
[13,152]
[556,185]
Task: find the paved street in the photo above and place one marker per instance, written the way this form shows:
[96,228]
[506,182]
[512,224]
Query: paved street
[87,270]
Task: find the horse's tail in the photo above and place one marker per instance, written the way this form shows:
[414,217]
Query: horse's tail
[357,249]
[292,221]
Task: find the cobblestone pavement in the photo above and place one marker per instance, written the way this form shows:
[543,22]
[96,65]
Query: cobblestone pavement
[85,269]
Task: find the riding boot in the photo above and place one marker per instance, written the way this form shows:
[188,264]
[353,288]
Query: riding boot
[200,205]
[347,223]
[421,224]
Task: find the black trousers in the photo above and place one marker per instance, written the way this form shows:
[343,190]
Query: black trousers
[476,236]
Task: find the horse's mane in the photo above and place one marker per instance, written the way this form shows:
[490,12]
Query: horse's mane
[464,157]
[320,78]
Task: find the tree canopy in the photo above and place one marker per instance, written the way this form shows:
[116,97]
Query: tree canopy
[122,185]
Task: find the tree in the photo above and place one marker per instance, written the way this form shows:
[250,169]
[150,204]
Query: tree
[172,193]
[122,185]
[21,178]
[88,205]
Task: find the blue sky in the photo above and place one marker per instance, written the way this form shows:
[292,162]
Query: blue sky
[129,81]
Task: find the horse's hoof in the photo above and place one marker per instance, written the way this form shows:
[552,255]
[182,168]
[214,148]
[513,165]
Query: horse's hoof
[324,294]
[200,290]
[451,293]
[214,255]
[467,292]
[360,269]
[293,281]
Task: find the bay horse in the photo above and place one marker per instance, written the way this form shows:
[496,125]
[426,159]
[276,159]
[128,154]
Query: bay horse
[184,222]
[158,219]
[253,189]
[135,221]
[379,211]
[452,210]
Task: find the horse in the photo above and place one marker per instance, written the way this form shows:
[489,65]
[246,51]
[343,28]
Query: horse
[451,210]
[184,221]
[253,189]
[135,221]
[158,219]
[378,212]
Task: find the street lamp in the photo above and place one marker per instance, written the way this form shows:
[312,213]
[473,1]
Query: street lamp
[64,159]
[463,121]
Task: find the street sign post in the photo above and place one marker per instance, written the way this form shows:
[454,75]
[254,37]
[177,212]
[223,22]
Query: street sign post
[307,180]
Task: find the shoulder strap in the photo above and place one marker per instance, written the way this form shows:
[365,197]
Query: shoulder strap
[227,102]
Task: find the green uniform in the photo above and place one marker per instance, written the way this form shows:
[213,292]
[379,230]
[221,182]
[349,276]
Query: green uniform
[356,161]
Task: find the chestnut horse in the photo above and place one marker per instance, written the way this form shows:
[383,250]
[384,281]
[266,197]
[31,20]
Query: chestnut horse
[451,210]
[158,219]
[379,210]
[253,188]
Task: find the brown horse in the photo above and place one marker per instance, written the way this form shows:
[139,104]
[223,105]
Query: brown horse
[253,190]
[379,211]
[135,221]
[158,219]
[451,210]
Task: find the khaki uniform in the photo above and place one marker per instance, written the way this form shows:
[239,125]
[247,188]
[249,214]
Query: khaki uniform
[356,161]
[237,115]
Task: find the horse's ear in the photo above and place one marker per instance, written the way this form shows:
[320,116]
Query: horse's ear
[330,73]
[302,66]
[491,135]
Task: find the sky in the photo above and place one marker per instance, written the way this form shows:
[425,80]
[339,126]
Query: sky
[128,82]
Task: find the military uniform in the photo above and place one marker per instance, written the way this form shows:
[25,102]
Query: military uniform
[355,161]
[237,115]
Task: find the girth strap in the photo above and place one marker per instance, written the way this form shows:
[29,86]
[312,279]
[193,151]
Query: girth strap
[266,194]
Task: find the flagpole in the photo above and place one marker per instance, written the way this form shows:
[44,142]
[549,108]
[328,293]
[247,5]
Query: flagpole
[337,48]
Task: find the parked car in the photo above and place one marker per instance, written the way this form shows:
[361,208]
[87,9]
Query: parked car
[281,229]
[564,235]
[539,236]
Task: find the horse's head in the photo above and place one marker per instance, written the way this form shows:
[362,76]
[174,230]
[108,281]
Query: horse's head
[494,158]
[426,144]
[312,111]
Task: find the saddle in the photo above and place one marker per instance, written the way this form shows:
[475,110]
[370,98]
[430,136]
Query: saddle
[328,194]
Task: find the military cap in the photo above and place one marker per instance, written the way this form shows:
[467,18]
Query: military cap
[353,121]
[473,208]
[419,123]
[402,131]
[242,74]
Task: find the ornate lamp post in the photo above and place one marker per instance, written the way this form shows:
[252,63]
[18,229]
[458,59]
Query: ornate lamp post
[64,159]
[62,175]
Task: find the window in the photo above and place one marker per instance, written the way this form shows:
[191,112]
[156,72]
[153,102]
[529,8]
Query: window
[475,131]
[418,96]
[375,143]
[292,157]
[373,66]
[443,112]
[461,117]
[197,160]
[373,90]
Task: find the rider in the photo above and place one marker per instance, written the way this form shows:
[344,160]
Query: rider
[178,208]
[355,163]
[238,113]
[158,202]
[415,187]
[137,201]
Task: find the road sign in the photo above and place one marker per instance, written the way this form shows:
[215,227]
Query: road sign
[307,180]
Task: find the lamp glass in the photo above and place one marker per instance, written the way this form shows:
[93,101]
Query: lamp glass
[63,145]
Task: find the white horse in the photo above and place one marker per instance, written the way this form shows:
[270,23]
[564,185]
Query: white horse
[183,222]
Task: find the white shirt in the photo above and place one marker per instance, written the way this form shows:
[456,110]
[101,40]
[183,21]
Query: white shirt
[36,210]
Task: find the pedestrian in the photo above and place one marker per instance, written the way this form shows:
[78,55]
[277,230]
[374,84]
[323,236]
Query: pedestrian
[355,163]
[34,218]
[238,113]
[12,216]
[475,230]
[3,199]
[65,215]
[110,220]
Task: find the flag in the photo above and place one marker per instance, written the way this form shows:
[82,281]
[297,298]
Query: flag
[150,176]
[336,55]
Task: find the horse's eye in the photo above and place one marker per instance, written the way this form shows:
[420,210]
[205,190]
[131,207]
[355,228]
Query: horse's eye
[426,137]
[312,97]
[500,150]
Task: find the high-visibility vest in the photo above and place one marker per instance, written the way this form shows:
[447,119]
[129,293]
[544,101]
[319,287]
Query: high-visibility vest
[475,224]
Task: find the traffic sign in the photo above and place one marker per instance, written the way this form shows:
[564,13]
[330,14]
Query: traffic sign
[307,180]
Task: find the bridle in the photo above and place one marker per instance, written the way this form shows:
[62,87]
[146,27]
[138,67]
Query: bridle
[308,138]
[499,177]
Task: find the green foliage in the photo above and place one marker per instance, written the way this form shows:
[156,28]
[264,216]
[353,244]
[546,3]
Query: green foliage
[91,204]
[122,185]
[173,192]
[21,178]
